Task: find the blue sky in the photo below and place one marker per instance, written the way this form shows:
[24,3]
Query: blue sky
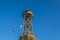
[46,20]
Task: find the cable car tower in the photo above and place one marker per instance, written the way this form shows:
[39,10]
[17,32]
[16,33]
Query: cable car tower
[27,33]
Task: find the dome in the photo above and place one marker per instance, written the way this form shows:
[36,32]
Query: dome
[27,13]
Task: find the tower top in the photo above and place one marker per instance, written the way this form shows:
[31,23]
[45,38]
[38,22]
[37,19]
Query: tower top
[27,14]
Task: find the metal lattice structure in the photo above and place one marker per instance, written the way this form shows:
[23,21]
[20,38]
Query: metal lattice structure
[27,27]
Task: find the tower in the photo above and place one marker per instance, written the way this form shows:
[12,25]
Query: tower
[27,26]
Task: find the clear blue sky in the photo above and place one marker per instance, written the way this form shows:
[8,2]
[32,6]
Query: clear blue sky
[46,20]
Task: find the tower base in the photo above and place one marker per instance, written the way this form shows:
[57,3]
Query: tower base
[27,37]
